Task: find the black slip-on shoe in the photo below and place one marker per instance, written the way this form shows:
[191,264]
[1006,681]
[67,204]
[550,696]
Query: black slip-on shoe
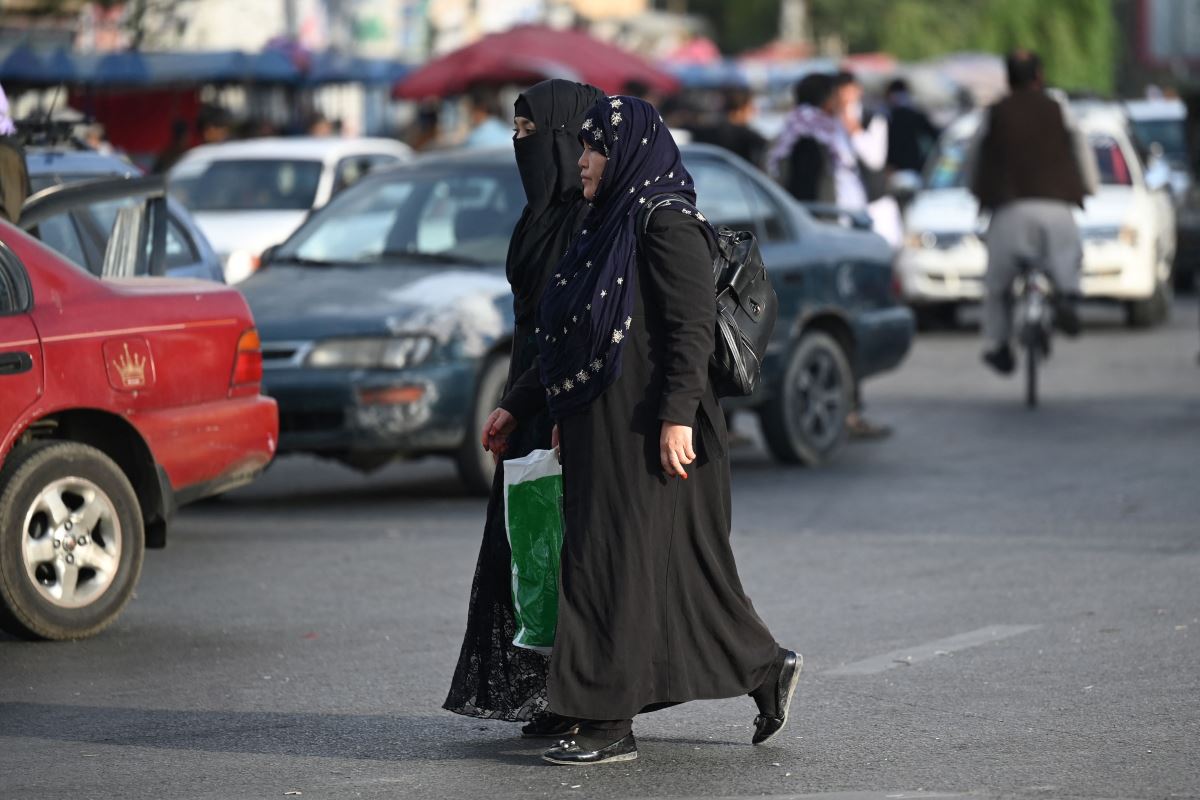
[766,728]
[572,754]
[1066,317]
[1000,359]
[550,726]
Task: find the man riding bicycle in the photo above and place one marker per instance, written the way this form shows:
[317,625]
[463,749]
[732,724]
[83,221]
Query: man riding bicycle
[1029,165]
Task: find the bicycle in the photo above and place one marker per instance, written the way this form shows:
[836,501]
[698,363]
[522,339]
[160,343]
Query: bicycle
[1033,314]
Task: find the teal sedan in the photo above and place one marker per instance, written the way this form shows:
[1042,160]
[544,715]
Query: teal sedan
[387,320]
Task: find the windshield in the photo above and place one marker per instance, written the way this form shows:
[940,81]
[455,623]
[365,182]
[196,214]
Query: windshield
[946,166]
[465,214]
[247,185]
[1166,132]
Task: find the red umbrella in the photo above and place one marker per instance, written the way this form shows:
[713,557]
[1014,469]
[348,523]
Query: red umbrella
[530,53]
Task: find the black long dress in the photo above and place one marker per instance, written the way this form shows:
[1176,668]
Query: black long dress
[651,608]
[493,678]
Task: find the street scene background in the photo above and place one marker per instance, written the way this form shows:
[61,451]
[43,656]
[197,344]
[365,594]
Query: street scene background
[992,599]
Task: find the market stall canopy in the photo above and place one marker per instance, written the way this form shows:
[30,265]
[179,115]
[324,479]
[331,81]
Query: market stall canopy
[529,53]
[25,65]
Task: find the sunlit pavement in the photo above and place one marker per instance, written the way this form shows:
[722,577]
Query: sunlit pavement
[992,602]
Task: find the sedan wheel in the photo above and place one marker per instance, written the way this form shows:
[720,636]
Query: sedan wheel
[71,544]
[805,422]
[475,465]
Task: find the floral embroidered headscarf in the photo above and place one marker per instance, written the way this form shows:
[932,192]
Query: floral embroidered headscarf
[587,307]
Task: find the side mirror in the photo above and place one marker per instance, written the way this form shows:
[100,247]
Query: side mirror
[904,184]
[267,255]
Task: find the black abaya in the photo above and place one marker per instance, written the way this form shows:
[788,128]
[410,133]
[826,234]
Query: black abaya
[494,679]
[651,608]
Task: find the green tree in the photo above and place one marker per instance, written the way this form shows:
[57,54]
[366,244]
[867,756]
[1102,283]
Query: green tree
[1076,38]
[739,26]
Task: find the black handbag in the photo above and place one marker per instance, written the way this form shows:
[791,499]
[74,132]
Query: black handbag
[747,307]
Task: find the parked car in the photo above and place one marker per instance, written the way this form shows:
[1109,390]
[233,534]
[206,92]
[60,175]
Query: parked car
[120,400]
[1160,127]
[387,318]
[249,195]
[1128,228]
[82,234]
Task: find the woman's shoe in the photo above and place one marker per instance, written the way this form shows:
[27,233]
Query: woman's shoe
[550,725]
[573,754]
[766,727]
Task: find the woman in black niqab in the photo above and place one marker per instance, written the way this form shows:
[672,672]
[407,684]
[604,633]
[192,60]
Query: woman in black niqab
[495,679]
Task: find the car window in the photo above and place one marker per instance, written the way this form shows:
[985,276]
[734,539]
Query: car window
[1114,169]
[1169,133]
[722,197]
[181,252]
[467,214]
[60,234]
[769,213]
[946,167]
[9,296]
[247,184]
[351,168]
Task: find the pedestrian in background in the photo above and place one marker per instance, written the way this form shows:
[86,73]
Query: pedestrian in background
[733,132]
[1030,166]
[495,679]
[651,609]
[426,129]
[813,157]
[911,134]
[869,136]
[14,173]
[487,129]
[178,145]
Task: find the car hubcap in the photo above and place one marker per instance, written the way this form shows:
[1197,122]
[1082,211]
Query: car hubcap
[71,542]
[819,388]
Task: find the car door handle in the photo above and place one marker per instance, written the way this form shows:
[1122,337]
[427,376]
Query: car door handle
[15,363]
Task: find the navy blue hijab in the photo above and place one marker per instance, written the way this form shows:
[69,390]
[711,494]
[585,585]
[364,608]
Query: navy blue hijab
[587,306]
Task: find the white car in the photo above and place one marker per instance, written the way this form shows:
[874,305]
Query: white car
[1161,127]
[1128,227]
[249,195]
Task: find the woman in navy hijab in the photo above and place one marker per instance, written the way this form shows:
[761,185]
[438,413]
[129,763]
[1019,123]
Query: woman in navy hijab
[651,608]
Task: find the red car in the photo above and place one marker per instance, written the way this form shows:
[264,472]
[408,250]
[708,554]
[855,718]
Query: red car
[120,399]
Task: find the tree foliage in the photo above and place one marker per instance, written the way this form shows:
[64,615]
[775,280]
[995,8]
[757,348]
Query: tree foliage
[741,25]
[1076,38]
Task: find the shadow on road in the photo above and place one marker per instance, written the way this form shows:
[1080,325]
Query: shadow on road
[360,737]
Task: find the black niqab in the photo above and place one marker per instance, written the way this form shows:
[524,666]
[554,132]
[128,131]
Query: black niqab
[555,207]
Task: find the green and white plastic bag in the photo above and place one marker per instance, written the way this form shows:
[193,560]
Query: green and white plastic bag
[533,519]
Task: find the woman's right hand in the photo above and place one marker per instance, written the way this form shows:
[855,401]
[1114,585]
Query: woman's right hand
[494,437]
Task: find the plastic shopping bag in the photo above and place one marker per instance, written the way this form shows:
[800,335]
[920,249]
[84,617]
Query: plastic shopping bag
[533,519]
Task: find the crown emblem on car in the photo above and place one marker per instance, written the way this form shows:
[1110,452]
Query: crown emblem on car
[131,368]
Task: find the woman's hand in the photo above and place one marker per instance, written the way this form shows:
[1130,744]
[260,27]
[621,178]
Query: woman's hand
[495,433]
[675,449]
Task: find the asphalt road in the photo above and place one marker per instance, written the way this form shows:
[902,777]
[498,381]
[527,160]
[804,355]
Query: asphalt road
[991,603]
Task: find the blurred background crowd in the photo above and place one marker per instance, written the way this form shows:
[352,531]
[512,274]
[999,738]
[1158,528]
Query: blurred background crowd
[150,80]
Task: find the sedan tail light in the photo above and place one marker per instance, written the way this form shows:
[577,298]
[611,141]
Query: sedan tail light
[248,364]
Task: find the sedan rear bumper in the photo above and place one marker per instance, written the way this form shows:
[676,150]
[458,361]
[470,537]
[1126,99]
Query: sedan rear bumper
[212,447]
[342,413]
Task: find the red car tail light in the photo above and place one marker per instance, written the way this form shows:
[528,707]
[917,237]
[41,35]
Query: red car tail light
[248,364]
